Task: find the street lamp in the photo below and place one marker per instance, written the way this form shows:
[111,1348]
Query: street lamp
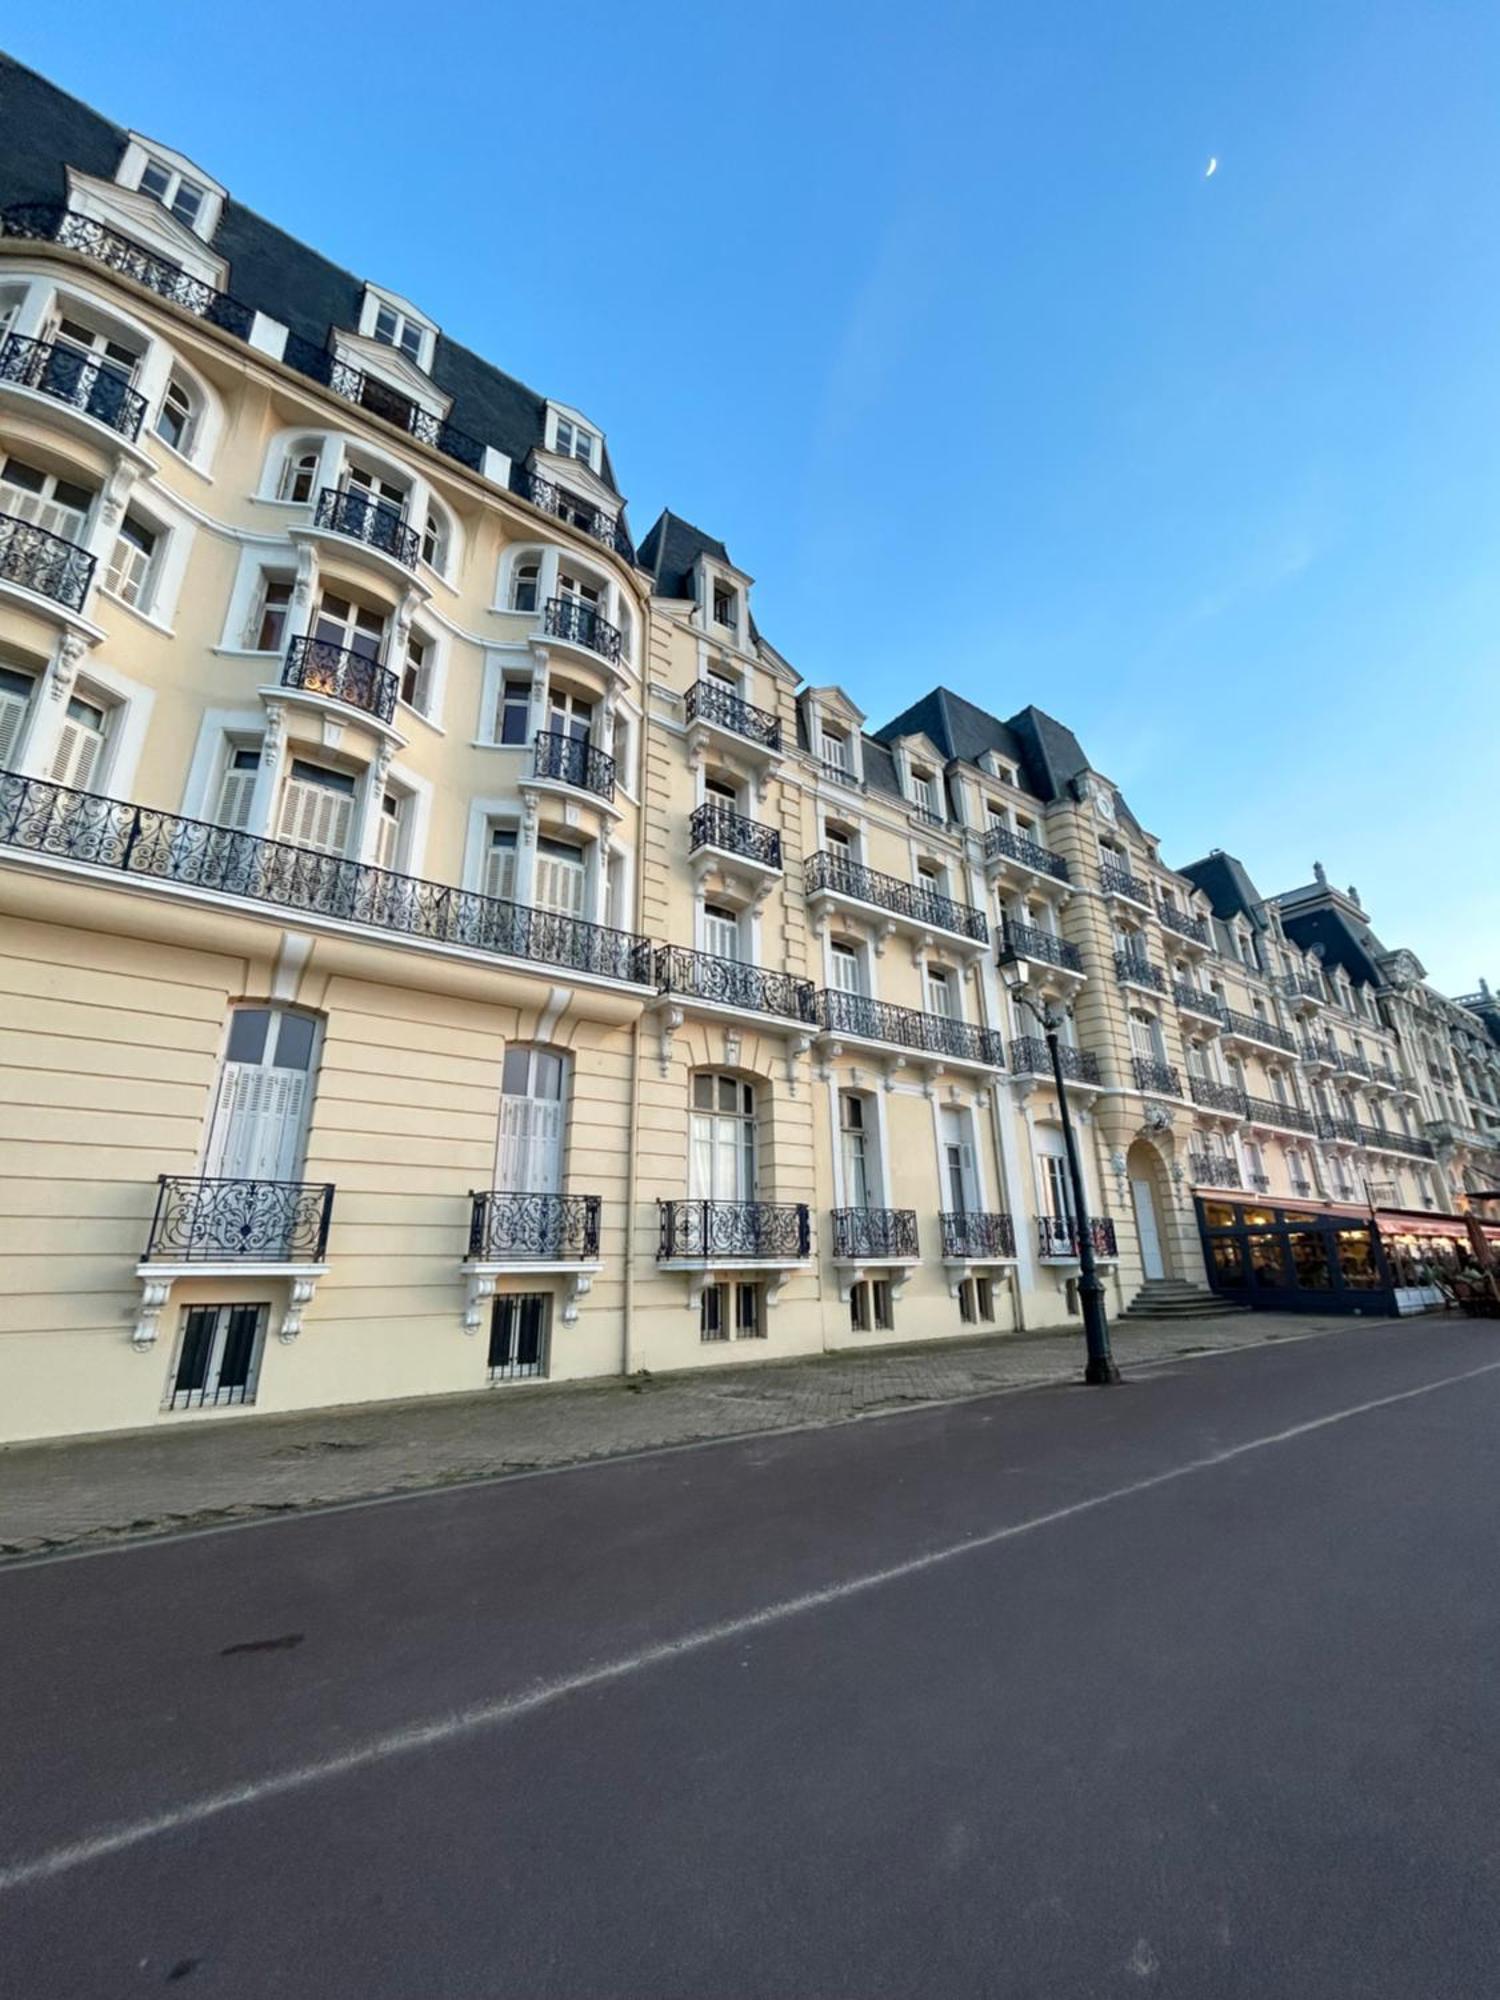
[1100,1366]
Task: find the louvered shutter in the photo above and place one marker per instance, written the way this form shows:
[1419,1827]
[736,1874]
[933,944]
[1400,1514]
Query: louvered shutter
[500,871]
[257,1130]
[559,884]
[236,792]
[530,1152]
[13,706]
[315,816]
[76,755]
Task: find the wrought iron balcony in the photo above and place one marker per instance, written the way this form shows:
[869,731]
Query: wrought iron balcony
[1212,1095]
[45,563]
[49,222]
[1319,1050]
[1344,1131]
[348,510]
[1382,1073]
[716,825]
[1058,1236]
[200,1221]
[1193,1000]
[506,1228]
[1133,968]
[1208,1170]
[359,682]
[1021,941]
[826,873]
[862,1234]
[698,975]
[1186,925]
[1016,847]
[1286,1117]
[578,513]
[1251,1028]
[1396,1142]
[1301,986]
[735,1231]
[1030,1056]
[319,364]
[976,1238]
[581,624]
[570,761]
[1153,1075]
[77,379]
[1299,1185]
[1354,1065]
[50,820]
[1116,880]
[840,1013]
[1261,1181]
[707,701]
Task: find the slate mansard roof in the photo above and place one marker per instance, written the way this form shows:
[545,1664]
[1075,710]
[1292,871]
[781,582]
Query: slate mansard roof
[43,131]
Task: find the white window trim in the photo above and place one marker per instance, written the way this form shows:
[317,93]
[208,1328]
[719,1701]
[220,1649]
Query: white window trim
[125,739]
[174,530]
[246,727]
[595,461]
[377,296]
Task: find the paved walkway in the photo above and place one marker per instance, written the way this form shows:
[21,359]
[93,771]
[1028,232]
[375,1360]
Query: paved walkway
[197,1474]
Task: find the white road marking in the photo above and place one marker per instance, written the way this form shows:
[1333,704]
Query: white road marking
[543,1694]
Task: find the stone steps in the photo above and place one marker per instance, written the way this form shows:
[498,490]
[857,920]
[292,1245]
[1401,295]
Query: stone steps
[1174,1298]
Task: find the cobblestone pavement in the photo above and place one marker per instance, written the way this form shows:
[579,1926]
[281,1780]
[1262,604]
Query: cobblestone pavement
[195,1475]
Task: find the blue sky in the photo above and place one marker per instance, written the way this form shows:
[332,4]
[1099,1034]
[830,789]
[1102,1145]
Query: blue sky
[934,318]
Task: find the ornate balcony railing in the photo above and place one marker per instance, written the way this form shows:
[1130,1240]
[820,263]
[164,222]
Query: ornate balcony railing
[1216,1096]
[1396,1142]
[75,378]
[201,1221]
[1193,1000]
[1286,1117]
[840,1013]
[831,874]
[1251,1028]
[49,222]
[714,824]
[698,975]
[1301,986]
[1132,968]
[1116,880]
[1059,1236]
[347,510]
[1343,1130]
[1383,1073]
[1207,1170]
[708,702]
[571,761]
[1030,1056]
[137,841]
[319,364]
[752,1231]
[1300,1185]
[509,1228]
[578,513]
[1153,1075]
[317,667]
[581,624]
[1319,1049]
[1016,847]
[860,1233]
[1184,923]
[45,563]
[1019,941]
[976,1237]
[1353,1065]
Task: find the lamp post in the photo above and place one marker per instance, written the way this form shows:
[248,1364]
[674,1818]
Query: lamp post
[1100,1366]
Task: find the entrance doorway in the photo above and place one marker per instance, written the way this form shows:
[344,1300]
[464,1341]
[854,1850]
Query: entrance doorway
[1142,1168]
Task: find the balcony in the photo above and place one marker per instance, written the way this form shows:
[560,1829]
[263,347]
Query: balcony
[33,559]
[578,623]
[1000,844]
[315,667]
[562,505]
[1384,1077]
[717,706]
[1132,968]
[83,829]
[347,510]
[1208,1170]
[854,1016]
[1059,1237]
[1150,1074]
[719,827]
[568,760]
[1353,1065]
[734,1232]
[1194,930]
[1339,1131]
[828,874]
[973,1238]
[1020,943]
[1282,1117]
[1030,1056]
[1211,1095]
[1116,880]
[381,400]
[875,1236]
[1303,990]
[725,982]
[1319,1052]
[1251,1028]
[1193,1000]
[199,1221]
[49,222]
[69,376]
[1396,1142]
[506,1228]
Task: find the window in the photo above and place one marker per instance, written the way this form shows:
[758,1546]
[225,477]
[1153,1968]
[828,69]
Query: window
[559,877]
[570,714]
[176,419]
[173,190]
[924,791]
[839,842]
[218,1356]
[399,330]
[845,963]
[721,1160]
[529,1159]
[984,1297]
[736,1308]
[725,608]
[518,1336]
[130,567]
[61,506]
[857,1149]
[721,931]
[573,441]
[416,673]
[960,1168]
[16,689]
[273,606]
[500,864]
[1056,1186]
[317,808]
[525,582]
[967,1310]
[435,541]
[941,998]
[237,786]
[260,1116]
[836,750]
[385,493]
[870,1305]
[388,833]
[299,477]
[356,628]
[515,712]
[80,744]
[74,343]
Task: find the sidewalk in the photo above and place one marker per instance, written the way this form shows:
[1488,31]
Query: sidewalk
[58,1495]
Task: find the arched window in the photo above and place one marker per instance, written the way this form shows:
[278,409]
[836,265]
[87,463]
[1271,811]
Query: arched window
[437,539]
[721,1164]
[299,475]
[525,584]
[178,418]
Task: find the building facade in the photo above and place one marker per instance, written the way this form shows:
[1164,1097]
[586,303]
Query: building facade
[447,943]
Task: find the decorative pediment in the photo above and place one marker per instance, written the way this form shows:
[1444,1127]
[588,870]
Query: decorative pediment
[832,701]
[389,364]
[576,477]
[144,220]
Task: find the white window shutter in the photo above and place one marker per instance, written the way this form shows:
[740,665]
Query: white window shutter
[236,792]
[13,709]
[76,755]
[315,816]
[258,1124]
[559,885]
[530,1152]
[500,873]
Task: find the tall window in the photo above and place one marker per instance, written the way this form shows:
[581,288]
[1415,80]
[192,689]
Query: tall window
[1054,1183]
[845,962]
[268,621]
[131,565]
[524,585]
[80,743]
[61,506]
[500,864]
[317,807]
[176,419]
[924,790]
[435,541]
[721,931]
[835,748]
[857,1145]
[570,714]
[390,830]
[218,1356]
[259,1125]
[529,1159]
[725,612]
[299,477]
[960,1166]
[1145,1037]
[237,786]
[416,673]
[513,723]
[559,877]
[16,690]
[358,628]
[941,997]
[721,1163]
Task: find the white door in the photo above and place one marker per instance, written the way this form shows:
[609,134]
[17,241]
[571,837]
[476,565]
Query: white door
[265,1088]
[1145,1223]
[529,1156]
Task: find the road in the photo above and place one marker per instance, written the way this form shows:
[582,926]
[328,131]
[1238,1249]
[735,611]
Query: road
[1187,1689]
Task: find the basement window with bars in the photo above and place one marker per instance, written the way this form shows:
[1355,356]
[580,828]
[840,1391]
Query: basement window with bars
[976,1301]
[519,1325]
[871,1306]
[736,1310]
[218,1356]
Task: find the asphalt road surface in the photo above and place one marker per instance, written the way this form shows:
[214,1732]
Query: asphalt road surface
[1190,1688]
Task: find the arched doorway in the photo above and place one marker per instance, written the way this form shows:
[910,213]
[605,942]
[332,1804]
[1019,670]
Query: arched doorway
[1148,1199]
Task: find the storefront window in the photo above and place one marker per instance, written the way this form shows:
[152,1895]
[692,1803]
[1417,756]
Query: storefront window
[1257,1218]
[1310,1261]
[1228,1260]
[1357,1265]
[1266,1261]
[1220,1214]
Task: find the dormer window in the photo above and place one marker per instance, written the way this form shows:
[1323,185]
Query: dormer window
[725,609]
[573,441]
[393,329]
[835,745]
[173,190]
[924,791]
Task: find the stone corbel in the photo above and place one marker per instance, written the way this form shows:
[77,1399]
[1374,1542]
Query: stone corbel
[670,1020]
[481,1289]
[71,649]
[275,735]
[831,1053]
[117,490]
[306,578]
[385,756]
[299,1298]
[892,1069]
[797,1047]
[883,932]
[154,1293]
[578,1286]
